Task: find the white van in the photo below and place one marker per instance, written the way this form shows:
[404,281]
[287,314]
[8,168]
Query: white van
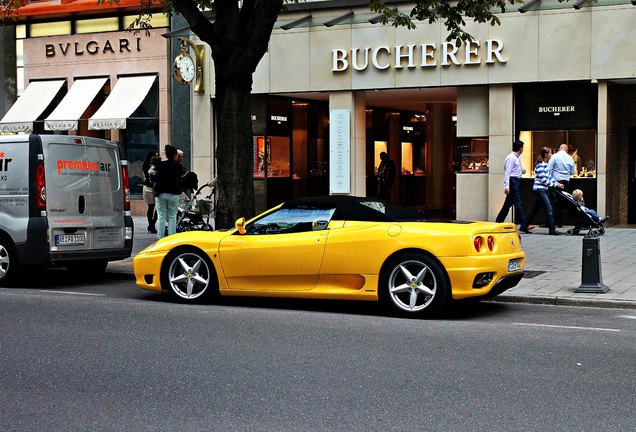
[64,201]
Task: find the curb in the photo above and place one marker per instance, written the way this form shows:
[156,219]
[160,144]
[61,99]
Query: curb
[567,301]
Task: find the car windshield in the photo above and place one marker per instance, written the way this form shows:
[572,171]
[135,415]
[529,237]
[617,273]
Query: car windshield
[291,220]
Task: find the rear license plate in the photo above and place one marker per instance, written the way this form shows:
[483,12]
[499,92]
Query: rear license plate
[69,239]
[514,264]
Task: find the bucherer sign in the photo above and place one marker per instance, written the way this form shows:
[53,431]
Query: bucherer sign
[418,55]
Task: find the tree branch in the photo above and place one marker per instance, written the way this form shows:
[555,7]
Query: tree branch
[199,24]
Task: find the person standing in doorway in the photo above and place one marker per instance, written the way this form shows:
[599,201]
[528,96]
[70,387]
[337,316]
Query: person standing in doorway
[149,193]
[512,179]
[168,190]
[542,181]
[560,167]
[386,176]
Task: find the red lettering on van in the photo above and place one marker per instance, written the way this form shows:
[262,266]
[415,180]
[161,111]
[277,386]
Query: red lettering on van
[76,165]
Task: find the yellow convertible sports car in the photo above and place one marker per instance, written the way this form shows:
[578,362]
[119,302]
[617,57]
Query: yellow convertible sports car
[339,247]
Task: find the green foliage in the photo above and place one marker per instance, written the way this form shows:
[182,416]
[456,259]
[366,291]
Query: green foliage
[9,8]
[454,15]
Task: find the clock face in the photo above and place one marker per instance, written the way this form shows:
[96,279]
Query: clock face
[184,68]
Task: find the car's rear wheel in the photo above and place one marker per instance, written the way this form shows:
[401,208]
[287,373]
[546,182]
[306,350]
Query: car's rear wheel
[414,284]
[8,262]
[189,275]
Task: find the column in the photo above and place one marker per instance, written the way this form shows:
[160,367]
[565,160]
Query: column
[439,139]
[500,119]
[601,151]
[355,102]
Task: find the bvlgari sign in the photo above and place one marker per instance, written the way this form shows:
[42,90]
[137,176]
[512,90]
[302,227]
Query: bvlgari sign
[424,55]
[92,47]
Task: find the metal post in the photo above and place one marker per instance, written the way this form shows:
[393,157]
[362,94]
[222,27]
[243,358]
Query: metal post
[591,274]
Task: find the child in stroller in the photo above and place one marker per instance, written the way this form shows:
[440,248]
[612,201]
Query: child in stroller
[196,208]
[585,218]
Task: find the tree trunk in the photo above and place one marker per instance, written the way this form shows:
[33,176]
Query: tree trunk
[234,152]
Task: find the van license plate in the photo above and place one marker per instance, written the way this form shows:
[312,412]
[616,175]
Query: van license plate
[69,239]
[514,264]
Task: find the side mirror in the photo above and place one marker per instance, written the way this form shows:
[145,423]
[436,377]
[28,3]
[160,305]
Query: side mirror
[319,225]
[240,225]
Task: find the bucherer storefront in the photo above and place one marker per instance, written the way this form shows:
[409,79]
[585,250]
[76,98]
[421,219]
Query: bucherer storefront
[335,89]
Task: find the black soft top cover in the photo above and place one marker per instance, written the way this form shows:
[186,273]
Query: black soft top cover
[352,208]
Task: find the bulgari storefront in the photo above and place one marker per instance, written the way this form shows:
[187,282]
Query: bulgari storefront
[335,89]
[89,76]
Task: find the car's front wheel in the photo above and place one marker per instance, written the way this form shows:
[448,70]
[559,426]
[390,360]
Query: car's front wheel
[189,275]
[414,284]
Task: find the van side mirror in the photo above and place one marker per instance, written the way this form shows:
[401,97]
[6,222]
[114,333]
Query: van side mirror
[240,225]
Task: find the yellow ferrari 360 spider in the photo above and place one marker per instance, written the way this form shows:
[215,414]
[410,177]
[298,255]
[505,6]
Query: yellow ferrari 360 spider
[339,247]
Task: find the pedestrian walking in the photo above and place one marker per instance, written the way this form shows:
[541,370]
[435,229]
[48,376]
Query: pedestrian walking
[149,192]
[168,190]
[560,167]
[512,179]
[542,182]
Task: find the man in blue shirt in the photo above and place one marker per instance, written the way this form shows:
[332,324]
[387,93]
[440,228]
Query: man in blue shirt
[512,177]
[560,168]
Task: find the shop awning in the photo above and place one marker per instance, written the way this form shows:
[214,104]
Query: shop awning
[127,95]
[30,105]
[65,117]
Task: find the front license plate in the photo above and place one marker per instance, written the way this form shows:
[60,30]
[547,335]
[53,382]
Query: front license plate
[514,265]
[69,239]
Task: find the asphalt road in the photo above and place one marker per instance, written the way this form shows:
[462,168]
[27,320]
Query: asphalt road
[102,355]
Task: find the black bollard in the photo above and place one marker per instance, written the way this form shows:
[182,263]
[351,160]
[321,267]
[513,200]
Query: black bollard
[591,275]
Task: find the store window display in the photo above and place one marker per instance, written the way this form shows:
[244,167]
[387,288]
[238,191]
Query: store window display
[472,155]
[581,146]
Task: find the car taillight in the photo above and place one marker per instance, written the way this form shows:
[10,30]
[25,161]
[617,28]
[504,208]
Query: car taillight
[40,186]
[479,242]
[124,176]
[491,243]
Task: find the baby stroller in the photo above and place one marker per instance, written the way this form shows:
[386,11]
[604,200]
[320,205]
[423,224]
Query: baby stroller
[582,220]
[195,211]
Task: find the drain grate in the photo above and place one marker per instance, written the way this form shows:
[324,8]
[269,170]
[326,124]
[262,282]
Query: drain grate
[529,274]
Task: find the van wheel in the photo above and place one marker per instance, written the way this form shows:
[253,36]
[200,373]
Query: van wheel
[414,285]
[8,262]
[89,267]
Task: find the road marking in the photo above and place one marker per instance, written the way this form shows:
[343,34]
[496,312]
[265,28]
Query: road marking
[567,327]
[628,316]
[74,293]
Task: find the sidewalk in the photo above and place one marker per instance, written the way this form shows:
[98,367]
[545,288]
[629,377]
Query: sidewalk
[553,267]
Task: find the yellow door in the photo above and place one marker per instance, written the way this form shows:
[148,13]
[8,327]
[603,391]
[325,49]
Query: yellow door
[272,262]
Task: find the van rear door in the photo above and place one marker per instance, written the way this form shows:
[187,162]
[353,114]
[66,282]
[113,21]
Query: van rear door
[85,196]
[106,202]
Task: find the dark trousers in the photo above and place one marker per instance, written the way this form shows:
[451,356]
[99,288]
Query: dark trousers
[542,202]
[557,205]
[513,198]
[384,191]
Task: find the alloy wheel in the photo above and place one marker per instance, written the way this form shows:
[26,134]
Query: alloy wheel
[412,286]
[5,262]
[189,275]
